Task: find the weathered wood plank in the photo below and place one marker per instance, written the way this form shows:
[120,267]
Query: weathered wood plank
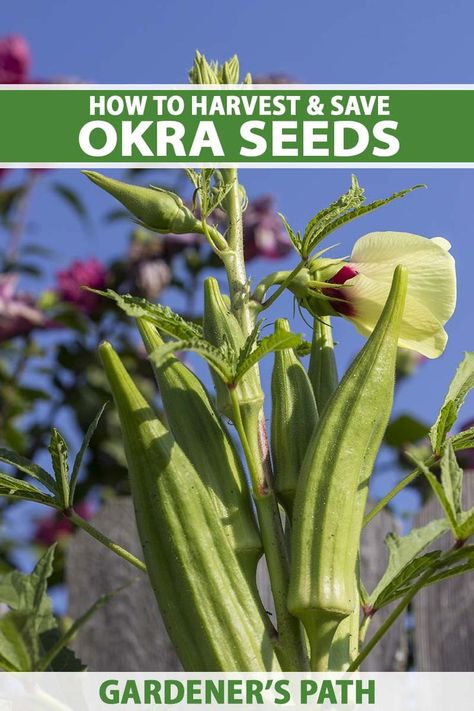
[128,635]
[444,619]
[391,653]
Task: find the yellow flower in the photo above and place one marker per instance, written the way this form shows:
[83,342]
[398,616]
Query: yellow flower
[361,286]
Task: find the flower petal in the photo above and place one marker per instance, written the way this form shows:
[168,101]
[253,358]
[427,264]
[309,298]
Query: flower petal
[420,330]
[431,269]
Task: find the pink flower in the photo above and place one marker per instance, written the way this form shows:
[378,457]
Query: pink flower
[15,60]
[264,234]
[55,526]
[70,282]
[18,314]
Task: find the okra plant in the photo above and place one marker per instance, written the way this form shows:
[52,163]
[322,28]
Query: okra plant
[212,495]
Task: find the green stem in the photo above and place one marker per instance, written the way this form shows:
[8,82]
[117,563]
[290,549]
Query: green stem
[396,490]
[271,300]
[402,605]
[290,645]
[363,629]
[106,541]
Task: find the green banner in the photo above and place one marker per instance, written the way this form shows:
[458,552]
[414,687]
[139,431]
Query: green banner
[78,125]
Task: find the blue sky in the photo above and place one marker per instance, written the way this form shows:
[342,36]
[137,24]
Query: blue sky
[151,41]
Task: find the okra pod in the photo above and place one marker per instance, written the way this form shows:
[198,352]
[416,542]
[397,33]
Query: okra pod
[207,604]
[158,209]
[322,369]
[294,416]
[203,437]
[333,483]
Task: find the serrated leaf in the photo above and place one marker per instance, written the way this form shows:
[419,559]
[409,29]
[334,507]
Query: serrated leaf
[295,237]
[212,355]
[80,455]
[403,564]
[440,495]
[277,341]
[14,652]
[333,224]
[249,344]
[352,199]
[451,478]
[463,440]
[162,317]
[27,597]
[18,489]
[59,459]
[466,524]
[461,384]
[24,465]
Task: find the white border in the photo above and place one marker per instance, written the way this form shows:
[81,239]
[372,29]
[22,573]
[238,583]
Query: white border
[240,87]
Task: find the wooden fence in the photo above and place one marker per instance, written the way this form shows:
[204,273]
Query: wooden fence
[128,634]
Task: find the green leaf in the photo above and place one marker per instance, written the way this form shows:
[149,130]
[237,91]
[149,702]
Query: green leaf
[27,597]
[24,465]
[405,430]
[80,455]
[72,199]
[18,489]
[14,652]
[56,650]
[463,440]
[352,199]
[451,478]
[59,459]
[466,524]
[278,341]
[347,208]
[295,237]
[214,356]
[403,563]
[461,384]
[162,317]
[440,495]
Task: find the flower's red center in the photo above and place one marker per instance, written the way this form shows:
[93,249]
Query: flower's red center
[340,297]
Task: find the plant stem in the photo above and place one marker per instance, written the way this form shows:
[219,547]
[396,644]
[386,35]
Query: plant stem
[396,490]
[105,540]
[271,300]
[290,642]
[402,605]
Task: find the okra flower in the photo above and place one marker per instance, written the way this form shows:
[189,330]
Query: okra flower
[358,289]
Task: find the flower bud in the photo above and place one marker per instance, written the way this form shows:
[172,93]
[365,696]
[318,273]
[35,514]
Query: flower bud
[157,209]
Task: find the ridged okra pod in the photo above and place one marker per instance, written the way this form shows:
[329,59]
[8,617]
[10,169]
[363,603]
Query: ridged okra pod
[208,606]
[294,417]
[159,210]
[332,488]
[322,369]
[199,431]
[220,327]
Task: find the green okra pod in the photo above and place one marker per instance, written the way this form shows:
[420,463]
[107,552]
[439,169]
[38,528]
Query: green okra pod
[332,488]
[207,604]
[199,431]
[322,369]
[221,327]
[294,416]
[159,210]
